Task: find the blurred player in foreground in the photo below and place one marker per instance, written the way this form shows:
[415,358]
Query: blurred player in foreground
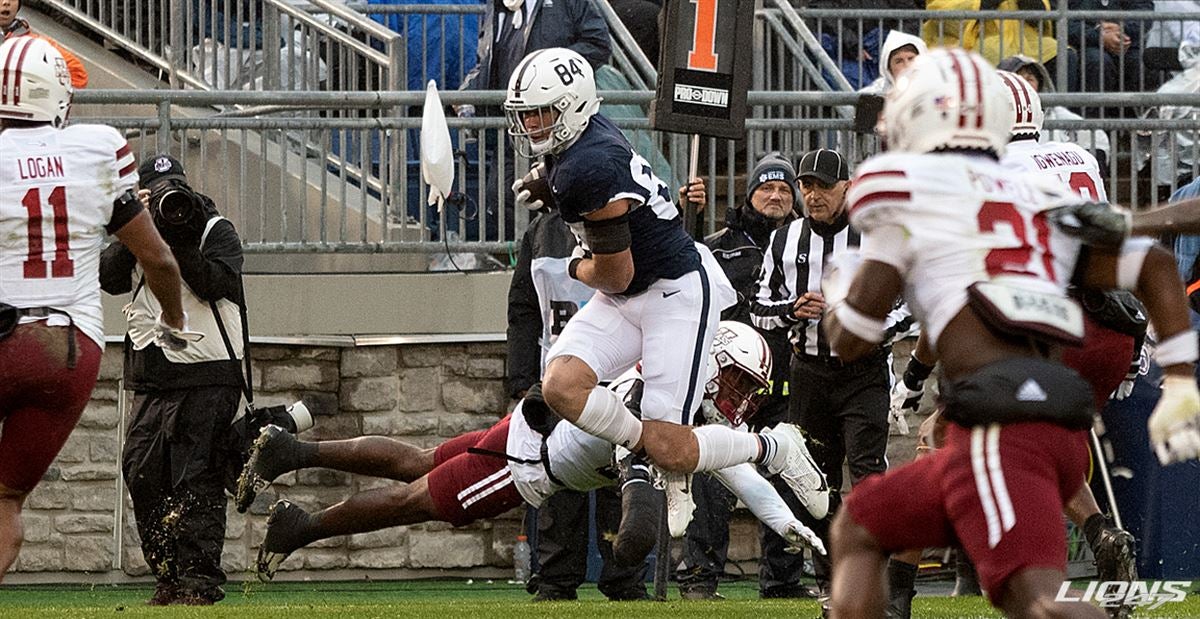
[62,190]
[983,259]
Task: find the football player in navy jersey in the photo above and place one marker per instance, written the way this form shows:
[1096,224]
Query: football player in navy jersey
[659,293]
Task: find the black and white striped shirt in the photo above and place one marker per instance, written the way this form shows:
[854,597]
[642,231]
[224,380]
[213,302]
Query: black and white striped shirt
[792,265]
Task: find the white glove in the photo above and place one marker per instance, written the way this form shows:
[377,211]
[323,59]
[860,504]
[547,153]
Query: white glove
[897,421]
[579,254]
[799,537]
[524,196]
[904,400]
[1175,423]
[170,338]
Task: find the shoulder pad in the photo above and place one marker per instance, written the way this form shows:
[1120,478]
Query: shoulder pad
[882,188]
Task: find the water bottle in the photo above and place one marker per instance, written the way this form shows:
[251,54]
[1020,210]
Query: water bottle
[521,557]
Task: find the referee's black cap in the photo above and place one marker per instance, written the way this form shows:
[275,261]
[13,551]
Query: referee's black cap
[823,164]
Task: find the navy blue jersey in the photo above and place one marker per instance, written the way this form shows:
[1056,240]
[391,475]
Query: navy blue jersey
[601,167]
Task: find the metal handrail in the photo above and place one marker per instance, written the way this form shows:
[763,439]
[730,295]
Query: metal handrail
[341,37]
[380,99]
[936,15]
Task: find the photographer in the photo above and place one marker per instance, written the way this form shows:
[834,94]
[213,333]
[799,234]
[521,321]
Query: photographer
[184,401]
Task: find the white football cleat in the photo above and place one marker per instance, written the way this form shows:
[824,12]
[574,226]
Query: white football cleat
[796,466]
[678,489]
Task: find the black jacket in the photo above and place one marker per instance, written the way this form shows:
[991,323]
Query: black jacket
[738,248]
[212,274]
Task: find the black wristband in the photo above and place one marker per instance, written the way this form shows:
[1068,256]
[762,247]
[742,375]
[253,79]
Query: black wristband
[572,267]
[916,372]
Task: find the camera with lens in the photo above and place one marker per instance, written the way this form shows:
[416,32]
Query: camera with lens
[175,207]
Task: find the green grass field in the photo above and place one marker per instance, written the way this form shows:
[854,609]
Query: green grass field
[445,600]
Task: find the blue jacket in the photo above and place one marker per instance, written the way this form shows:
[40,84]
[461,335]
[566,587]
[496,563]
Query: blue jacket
[575,24]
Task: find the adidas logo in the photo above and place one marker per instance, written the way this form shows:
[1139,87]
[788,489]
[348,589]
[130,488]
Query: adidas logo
[1030,391]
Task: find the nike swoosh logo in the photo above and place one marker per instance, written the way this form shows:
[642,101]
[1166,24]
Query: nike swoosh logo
[672,293]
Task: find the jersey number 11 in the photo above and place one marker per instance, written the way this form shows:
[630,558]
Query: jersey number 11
[35,264]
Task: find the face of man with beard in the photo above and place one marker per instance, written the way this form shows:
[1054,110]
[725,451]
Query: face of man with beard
[773,199]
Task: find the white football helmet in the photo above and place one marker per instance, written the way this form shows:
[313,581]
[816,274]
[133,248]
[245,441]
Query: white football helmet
[948,99]
[558,86]
[35,84]
[1024,105]
[739,373]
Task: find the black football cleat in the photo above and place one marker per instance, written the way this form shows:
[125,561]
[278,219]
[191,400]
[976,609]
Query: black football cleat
[641,511]
[287,527]
[274,453]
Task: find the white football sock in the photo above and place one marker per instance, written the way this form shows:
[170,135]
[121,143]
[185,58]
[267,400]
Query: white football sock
[720,447]
[606,417]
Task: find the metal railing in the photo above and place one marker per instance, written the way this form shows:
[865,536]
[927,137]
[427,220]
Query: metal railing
[248,44]
[284,194]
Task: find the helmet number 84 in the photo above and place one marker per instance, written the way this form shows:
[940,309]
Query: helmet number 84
[567,72]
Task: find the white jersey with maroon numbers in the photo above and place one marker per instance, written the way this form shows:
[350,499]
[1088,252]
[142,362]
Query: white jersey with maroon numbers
[948,221]
[57,188]
[1068,163]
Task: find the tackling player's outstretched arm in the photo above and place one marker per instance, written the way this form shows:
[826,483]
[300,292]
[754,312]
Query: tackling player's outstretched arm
[744,481]
[606,230]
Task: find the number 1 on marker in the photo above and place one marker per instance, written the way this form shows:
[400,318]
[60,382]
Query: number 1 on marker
[703,56]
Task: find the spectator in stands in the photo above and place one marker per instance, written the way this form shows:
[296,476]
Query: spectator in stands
[513,28]
[1036,74]
[855,46]
[12,25]
[899,50]
[1112,50]
[1175,33]
[999,38]
[509,30]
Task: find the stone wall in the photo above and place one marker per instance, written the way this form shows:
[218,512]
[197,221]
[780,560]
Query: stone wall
[421,394]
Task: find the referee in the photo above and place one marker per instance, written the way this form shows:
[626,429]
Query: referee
[842,407]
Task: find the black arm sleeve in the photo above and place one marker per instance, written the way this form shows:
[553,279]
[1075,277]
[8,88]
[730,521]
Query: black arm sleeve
[116,269]
[524,323]
[125,208]
[215,273]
